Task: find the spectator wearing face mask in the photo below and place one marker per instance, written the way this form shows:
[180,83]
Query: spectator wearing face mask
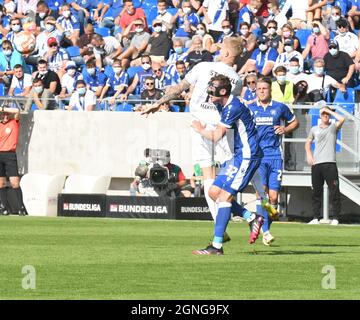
[335,16]
[56,57]
[138,84]
[275,14]
[247,14]
[42,12]
[339,65]
[40,97]
[127,17]
[208,41]
[317,42]
[70,24]
[82,99]
[271,33]
[159,44]
[348,41]
[284,58]
[94,78]
[116,84]
[106,49]
[135,42]
[287,32]
[52,30]
[319,83]
[179,54]
[49,78]
[295,74]
[262,59]
[164,16]
[8,59]
[227,31]
[69,80]
[16,27]
[282,90]
[186,21]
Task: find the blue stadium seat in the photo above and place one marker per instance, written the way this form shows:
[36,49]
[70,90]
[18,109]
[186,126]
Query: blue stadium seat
[124,107]
[103,31]
[172,11]
[132,71]
[108,70]
[187,109]
[151,14]
[73,51]
[174,108]
[303,35]
[2,89]
[346,99]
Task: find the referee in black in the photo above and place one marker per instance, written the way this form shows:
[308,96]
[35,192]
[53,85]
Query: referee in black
[9,136]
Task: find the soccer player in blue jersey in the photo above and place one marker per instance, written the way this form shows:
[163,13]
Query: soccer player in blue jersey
[236,119]
[270,117]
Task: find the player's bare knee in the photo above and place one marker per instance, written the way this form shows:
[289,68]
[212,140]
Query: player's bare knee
[14,182]
[214,193]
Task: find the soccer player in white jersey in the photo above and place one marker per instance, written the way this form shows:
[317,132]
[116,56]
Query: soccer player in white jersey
[201,108]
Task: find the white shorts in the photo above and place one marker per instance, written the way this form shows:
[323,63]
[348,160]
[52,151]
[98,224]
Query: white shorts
[205,152]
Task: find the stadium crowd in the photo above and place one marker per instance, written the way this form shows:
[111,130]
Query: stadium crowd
[119,54]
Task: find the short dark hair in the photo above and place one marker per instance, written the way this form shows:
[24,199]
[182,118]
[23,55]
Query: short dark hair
[42,61]
[149,78]
[294,59]
[42,3]
[17,66]
[179,62]
[90,62]
[224,82]
[80,82]
[280,69]
[36,80]
[265,79]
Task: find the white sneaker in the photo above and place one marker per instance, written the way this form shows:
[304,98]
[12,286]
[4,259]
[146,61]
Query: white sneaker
[314,221]
[334,222]
[268,238]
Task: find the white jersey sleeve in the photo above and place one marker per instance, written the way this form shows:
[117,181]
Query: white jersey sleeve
[200,106]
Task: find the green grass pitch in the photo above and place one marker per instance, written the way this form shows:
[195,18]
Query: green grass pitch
[94,258]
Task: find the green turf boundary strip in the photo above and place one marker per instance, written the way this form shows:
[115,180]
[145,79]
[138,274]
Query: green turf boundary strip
[104,258]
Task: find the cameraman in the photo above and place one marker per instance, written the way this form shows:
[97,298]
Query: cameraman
[177,179]
[141,186]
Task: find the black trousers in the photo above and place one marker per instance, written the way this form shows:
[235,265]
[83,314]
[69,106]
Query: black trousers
[325,172]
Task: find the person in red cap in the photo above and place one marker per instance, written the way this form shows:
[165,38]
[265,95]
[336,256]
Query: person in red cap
[56,57]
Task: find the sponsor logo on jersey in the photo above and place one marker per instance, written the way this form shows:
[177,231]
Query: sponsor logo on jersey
[208,106]
[264,121]
[232,80]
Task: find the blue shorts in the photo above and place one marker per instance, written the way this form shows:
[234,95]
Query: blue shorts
[236,174]
[270,171]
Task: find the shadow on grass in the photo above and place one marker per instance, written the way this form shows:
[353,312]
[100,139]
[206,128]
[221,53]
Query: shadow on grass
[328,245]
[290,252]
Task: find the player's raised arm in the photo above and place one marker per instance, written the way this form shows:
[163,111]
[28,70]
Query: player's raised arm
[171,93]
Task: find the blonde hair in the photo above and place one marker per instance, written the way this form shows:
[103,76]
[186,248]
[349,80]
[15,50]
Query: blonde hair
[234,45]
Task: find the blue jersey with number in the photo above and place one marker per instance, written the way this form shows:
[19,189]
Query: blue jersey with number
[265,120]
[236,116]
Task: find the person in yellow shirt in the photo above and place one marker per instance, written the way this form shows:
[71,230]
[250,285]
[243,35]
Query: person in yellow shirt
[282,90]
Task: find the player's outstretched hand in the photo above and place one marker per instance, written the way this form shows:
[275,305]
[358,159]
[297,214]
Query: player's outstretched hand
[197,126]
[150,108]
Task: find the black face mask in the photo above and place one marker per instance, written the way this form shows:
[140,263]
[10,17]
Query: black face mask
[215,91]
[301,89]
